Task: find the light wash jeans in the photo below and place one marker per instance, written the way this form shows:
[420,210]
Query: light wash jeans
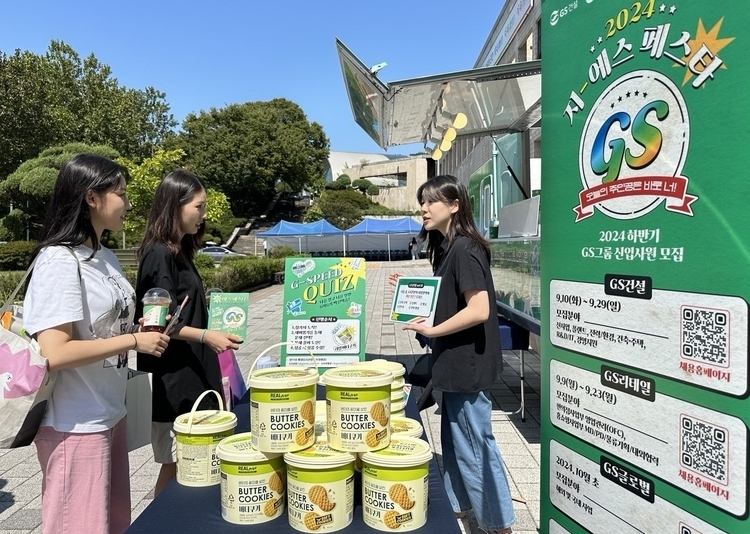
[474,476]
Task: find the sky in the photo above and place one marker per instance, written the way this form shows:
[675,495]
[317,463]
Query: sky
[214,53]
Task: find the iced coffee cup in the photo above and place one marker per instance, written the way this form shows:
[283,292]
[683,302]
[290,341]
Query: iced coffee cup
[156,303]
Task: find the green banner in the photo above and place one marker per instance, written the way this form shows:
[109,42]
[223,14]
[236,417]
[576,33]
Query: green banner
[324,311]
[646,259]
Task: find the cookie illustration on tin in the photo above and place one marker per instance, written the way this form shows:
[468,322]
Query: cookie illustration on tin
[400,495]
[377,412]
[319,496]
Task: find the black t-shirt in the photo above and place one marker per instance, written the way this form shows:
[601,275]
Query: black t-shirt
[186,369]
[467,361]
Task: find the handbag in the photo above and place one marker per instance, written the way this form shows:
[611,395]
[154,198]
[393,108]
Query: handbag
[232,381]
[421,376]
[25,379]
[138,404]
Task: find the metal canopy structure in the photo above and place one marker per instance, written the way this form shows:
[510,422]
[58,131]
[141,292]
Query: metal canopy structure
[495,100]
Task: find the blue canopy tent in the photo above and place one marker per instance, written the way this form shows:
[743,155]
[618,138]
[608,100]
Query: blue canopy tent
[390,234]
[317,236]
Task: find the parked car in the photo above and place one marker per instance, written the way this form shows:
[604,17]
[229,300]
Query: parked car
[218,253]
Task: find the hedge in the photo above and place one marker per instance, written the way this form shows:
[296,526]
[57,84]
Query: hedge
[233,277]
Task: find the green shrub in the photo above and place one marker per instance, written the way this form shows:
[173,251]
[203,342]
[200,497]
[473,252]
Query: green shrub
[131,275]
[8,282]
[203,261]
[233,259]
[15,255]
[280,251]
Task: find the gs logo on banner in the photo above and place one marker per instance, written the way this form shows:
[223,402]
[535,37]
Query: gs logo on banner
[633,148]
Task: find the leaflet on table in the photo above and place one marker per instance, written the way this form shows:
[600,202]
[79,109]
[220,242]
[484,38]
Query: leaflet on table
[701,339]
[609,497]
[414,299]
[228,313]
[701,451]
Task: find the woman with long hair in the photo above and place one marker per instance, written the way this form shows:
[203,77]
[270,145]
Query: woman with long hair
[190,364]
[80,308]
[466,354]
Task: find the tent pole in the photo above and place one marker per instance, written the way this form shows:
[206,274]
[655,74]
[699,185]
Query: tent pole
[299,243]
[389,247]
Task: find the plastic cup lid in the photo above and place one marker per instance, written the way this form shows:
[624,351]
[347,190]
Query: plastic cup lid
[319,456]
[283,377]
[357,376]
[401,452]
[239,449]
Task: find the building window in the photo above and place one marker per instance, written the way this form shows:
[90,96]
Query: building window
[538,54]
[388,180]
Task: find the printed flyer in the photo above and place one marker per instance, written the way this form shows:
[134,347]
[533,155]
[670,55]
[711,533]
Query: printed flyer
[645,282]
[414,299]
[324,312]
[228,313]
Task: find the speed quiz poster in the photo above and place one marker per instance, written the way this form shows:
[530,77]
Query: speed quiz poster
[646,276]
[324,311]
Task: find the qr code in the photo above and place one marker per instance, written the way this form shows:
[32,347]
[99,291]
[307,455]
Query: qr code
[705,335]
[704,448]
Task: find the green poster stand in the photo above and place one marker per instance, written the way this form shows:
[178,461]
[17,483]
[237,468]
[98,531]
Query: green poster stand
[646,244]
[324,312]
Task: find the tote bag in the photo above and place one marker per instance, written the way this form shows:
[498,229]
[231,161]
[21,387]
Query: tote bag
[25,380]
[138,404]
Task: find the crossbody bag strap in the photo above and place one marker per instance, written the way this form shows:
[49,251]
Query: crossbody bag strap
[12,296]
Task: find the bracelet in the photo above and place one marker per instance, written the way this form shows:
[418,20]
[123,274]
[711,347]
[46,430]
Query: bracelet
[136,341]
[203,334]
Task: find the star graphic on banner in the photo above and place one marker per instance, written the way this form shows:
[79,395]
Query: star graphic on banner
[645,94]
[353,267]
[619,99]
[627,95]
[662,8]
[708,38]
[636,93]
[592,49]
[599,40]
[672,10]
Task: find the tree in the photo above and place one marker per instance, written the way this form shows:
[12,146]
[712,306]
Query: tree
[30,186]
[144,179]
[373,190]
[362,184]
[343,208]
[245,149]
[57,98]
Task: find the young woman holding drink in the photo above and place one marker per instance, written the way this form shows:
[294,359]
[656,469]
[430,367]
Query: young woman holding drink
[80,308]
[189,366]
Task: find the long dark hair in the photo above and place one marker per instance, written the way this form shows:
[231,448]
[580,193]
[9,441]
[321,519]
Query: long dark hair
[446,188]
[68,219]
[175,190]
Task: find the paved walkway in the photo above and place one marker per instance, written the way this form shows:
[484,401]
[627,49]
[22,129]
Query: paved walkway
[20,478]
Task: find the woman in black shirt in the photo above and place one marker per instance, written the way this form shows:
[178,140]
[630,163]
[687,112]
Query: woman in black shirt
[189,366]
[466,354]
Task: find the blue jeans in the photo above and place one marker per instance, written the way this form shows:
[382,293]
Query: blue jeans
[474,476]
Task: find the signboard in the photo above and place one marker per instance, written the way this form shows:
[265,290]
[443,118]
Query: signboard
[645,282]
[228,313]
[414,299]
[324,312]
